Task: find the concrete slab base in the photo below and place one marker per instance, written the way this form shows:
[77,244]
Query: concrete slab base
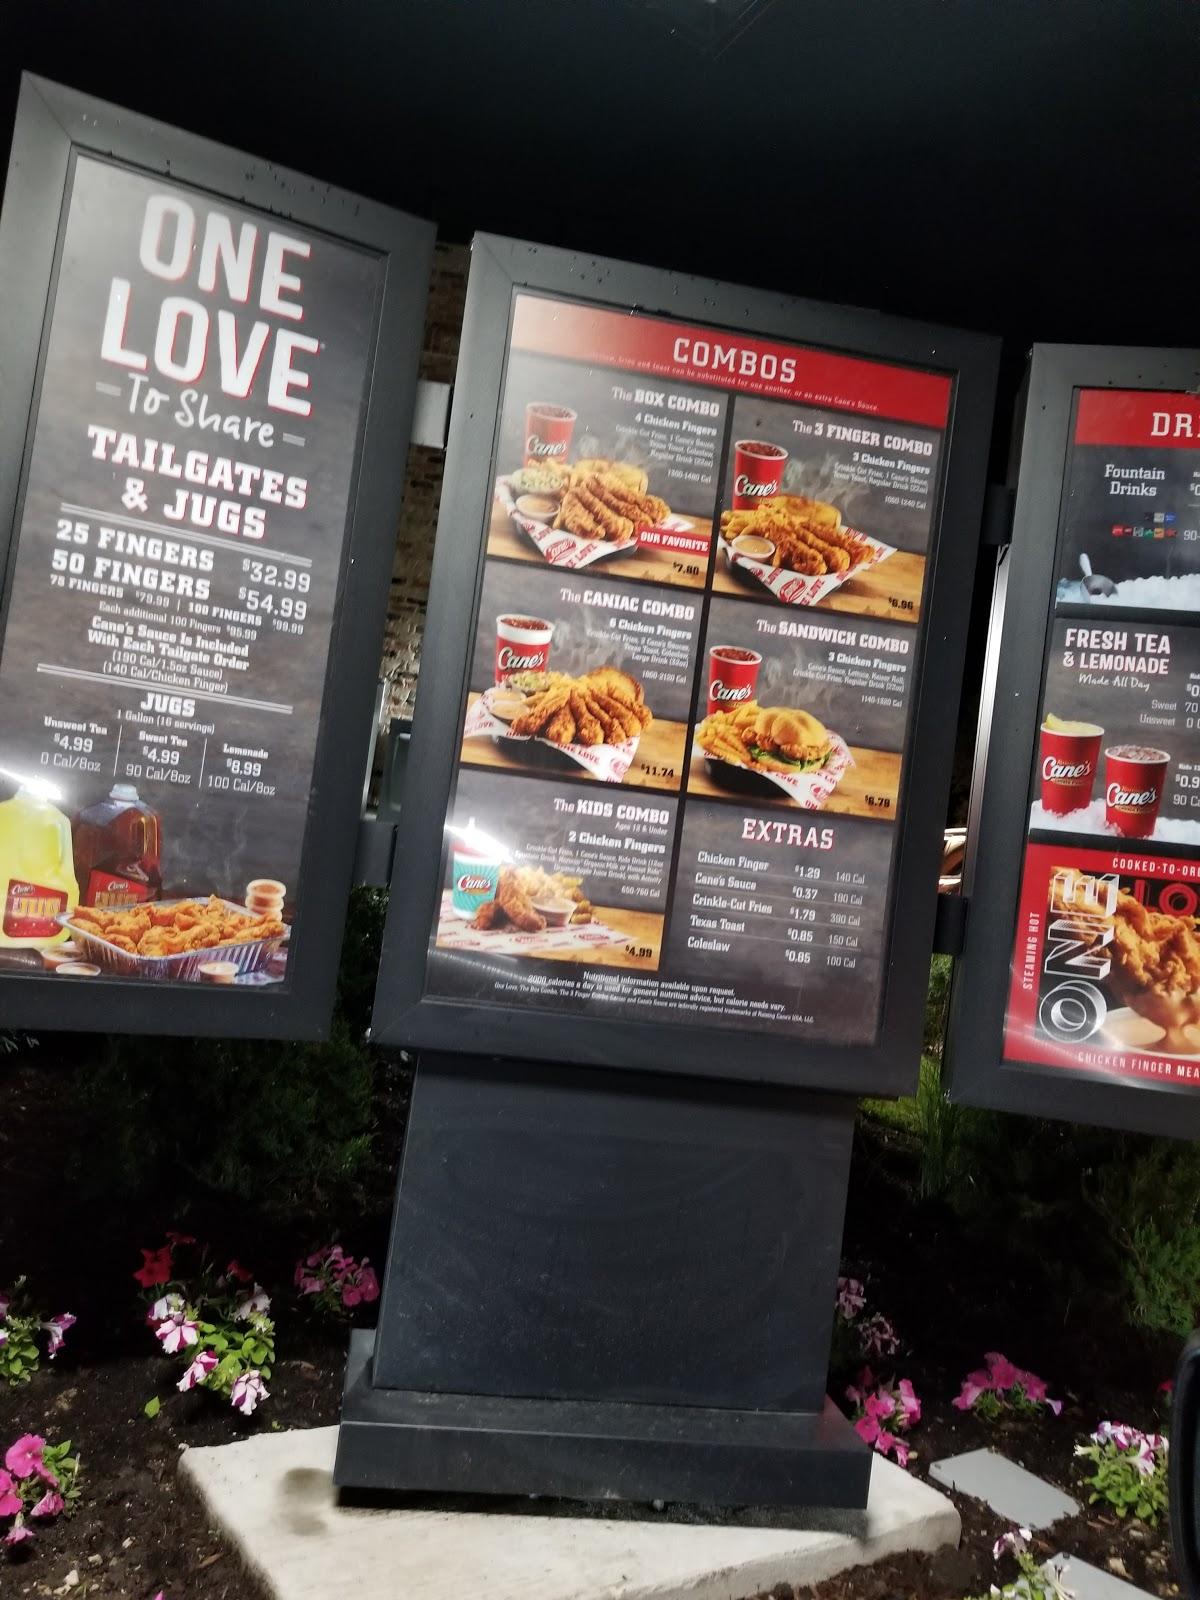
[273,1498]
[1022,1497]
[1092,1583]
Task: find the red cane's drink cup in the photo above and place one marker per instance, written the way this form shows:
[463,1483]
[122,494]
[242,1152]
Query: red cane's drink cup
[732,676]
[548,431]
[522,645]
[757,472]
[1069,755]
[1135,776]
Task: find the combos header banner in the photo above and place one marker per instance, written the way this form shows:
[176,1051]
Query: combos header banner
[728,360]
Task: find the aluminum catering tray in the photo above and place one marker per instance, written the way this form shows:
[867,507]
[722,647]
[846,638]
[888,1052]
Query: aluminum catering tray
[183,968]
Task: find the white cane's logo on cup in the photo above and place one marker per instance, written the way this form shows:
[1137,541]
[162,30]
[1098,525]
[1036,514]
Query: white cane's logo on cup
[522,645]
[732,676]
[508,660]
[727,693]
[1060,771]
[470,883]
[1116,796]
[747,486]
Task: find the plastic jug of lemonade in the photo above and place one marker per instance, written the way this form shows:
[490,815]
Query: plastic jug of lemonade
[37,874]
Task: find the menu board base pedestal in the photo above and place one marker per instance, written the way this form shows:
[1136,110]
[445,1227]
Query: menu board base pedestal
[601,1286]
[402,1440]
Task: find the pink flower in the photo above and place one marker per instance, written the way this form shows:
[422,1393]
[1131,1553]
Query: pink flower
[1002,1373]
[248,1391]
[155,1267]
[971,1390]
[910,1402]
[18,1533]
[24,1458]
[57,1329]
[1167,1386]
[49,1505]
[10,1500]
[177,1333]
[199,1370]
[5,1302]
[900,1450]
[307,1284]
[363,1289]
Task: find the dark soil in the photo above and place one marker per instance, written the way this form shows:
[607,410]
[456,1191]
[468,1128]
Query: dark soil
[136,1532]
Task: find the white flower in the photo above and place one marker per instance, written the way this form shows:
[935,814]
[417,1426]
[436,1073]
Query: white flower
[177,1333]
[257,1301]
[200,1368]
[248,1391]
[169,1306]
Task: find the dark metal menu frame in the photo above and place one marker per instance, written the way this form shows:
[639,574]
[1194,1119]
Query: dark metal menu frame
[1022,615]
[54,124]
[403,1013]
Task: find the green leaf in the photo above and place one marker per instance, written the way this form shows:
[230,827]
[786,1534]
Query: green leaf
[152,1407]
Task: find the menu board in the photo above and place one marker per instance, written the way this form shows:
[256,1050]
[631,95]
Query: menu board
[1106,959]
[690,679]
[172,587]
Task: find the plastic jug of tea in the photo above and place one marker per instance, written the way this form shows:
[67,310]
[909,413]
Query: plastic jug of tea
[37,878]
[118,845]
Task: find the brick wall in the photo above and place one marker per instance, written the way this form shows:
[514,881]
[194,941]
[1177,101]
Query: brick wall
[423,489]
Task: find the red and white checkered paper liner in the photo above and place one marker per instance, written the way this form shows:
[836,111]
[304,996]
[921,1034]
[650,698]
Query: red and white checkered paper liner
[571,550]
[808,789]
[608,762]
[800,589]
[456,934]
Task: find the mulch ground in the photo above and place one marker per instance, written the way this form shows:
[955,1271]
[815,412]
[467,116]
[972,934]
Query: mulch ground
[136,1531]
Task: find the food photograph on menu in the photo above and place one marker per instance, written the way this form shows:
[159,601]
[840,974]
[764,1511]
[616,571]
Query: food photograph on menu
[172,586]
[690,678]
[824,510]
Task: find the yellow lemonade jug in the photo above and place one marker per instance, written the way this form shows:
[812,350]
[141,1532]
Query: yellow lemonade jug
[37,874]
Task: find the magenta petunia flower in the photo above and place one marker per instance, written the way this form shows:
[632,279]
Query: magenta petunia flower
[10,1500]
[49,1505]
[57,1329]
[24,1458]
[18,1533]
[177,1333]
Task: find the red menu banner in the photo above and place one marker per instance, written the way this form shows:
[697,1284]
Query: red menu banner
[733,361]
[1146,417]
